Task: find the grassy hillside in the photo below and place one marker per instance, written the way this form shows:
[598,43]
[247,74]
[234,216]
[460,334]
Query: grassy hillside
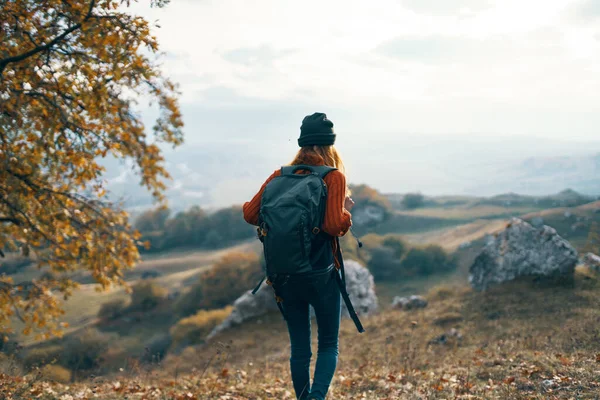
[175,271]
[512,342]
[517,341]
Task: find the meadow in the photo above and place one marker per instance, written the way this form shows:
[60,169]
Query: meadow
[522,340]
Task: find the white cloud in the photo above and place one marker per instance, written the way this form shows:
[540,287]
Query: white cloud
[420,66]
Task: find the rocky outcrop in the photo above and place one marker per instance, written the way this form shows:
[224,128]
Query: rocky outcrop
[409,303]
[359,283]
[522,250]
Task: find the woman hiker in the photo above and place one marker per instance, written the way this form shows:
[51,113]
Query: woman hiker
[317,287]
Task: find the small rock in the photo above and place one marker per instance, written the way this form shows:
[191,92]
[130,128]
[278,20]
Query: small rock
[453,334]
[409,303]
[549,384]
[359,283]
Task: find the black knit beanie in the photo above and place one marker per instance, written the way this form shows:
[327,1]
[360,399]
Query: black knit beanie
[316,130]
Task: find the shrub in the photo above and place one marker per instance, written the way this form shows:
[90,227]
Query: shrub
[218,287]
[390,259]
[396,244]
[146,295]
[9,365]
[42,355]
[427,260]
[384,265]
[152,220]
[350,248]
[213,240]
[112,309]
[156,348]
[83,351]
[194,329]
[385,253]
[365,195]
[413,200]
[372,240]
[56,373]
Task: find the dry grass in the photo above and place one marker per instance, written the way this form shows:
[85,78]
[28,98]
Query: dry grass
[467,212]
[195,328]
[178,270]
[522,340]
[451,238]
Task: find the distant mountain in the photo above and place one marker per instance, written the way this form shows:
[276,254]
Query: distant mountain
[211,175]
[540,176]
[219,174]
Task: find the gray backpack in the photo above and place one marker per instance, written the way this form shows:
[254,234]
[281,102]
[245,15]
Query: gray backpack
[291,214]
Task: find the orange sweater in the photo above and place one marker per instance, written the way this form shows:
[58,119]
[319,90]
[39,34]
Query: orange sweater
[337,219]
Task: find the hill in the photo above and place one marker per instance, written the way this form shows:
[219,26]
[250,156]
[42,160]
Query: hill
[510,326]
[516,341]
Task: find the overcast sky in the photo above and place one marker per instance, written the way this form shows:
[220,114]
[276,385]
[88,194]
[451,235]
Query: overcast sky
[385,67]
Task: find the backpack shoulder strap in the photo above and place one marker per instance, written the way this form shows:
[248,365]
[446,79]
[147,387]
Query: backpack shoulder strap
[321,170]
[340,277]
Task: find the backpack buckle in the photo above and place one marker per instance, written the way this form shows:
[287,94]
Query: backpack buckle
[316,230]
[263,229]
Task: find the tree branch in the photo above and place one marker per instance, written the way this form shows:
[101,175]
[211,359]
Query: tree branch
[12,220]
[21,57]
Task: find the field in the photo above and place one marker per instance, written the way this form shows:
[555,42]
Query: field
[523,340]
[518,341]
[176,271]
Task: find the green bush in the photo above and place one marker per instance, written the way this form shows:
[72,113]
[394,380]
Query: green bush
[384,257]
[84,350]
[194,227]
[152,220]
[213,240]
[194,329]
[384,265]
[413,200]
[427,260]
[227,280]
[389,258]
[396,244]
[146,295]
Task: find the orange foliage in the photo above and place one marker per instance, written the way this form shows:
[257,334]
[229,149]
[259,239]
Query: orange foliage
[70,73]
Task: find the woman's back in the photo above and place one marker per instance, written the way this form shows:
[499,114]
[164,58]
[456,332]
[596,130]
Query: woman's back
[318,286]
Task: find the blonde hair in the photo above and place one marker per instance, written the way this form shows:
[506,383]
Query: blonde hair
[328,154]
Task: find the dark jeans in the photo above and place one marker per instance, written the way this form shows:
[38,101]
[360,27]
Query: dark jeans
[320,290]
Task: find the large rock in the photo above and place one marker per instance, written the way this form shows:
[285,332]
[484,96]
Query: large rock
[522,250]
[359,283]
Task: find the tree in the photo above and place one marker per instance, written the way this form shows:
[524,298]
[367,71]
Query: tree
[152,220]
[413,200]
[71,73]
